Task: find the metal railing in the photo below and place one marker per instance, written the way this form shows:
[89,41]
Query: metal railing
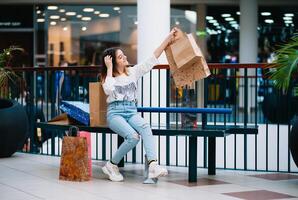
[242,87]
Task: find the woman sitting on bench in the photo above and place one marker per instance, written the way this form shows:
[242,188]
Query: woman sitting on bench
[120,85]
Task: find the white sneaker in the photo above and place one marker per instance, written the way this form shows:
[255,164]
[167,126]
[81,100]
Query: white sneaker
[112,171]
[156,170]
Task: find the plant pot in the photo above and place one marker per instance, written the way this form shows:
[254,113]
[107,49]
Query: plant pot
[293,141]
[277,107]
[13,127]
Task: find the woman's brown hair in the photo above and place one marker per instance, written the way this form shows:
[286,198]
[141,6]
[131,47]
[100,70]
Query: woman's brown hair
[112,52]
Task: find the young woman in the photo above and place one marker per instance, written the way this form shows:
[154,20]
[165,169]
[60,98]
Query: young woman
[120,85]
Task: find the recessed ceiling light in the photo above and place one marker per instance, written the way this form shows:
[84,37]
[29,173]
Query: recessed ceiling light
[209,17]
[229,19]
[238,12]
[212,21]
[287,18]
[65,28]
[62,10]
[226,15]
[269,21]
[86,18]
[215,24]
[84,28]
[38,12]
[88,9]
[40,20]
[52,7]
[288,22]
[104,15]
[54,17]
[265,13]
[289,14]
[116,8]
[63,19]
[96,12]
[70,13]
[53,23]
[177,22]
[232,22]
[79,16]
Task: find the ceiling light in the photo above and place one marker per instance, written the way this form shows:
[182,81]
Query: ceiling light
[226,15]
[209,17]
[116,8]
[40,20]
[104,15]
[232,22]
[177,22]
[88,9]
[63,19]
[229,19]
[79,16]
[96,12]
[70,13]
[269,21]
[238,12]
[84,28]
[265,13]
[54,17]
[86,18]
[215,24]
[38,12]
[289,14]
[62,10]
[136,22]
[212,21]
[287,18]
[64,28]
[52,7]
[288,22]
[53,23]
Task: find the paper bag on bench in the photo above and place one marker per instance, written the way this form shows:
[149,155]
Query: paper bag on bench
[187,63]
[98,104]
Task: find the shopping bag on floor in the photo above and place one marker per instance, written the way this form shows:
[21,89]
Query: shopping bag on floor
[87,135]
[74,157]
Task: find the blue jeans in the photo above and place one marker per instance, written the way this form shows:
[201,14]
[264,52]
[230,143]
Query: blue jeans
[123,119]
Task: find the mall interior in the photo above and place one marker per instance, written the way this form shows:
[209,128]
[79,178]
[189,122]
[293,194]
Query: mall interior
[244,147]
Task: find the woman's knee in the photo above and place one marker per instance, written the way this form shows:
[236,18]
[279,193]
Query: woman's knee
[133,138]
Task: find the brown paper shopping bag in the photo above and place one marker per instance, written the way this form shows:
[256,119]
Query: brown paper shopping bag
[74,165]
[187,63]
[97,105]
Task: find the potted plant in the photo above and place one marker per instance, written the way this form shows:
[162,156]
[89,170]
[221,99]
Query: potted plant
[14,122]
[285,68]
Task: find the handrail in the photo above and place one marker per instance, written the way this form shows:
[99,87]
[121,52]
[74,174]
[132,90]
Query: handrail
[161,66]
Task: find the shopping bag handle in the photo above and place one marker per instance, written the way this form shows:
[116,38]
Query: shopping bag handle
[73,131]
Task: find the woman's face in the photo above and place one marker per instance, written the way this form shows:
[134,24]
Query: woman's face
[121,59]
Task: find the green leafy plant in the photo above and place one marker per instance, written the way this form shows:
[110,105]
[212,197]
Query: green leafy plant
[7,76]
[285,64]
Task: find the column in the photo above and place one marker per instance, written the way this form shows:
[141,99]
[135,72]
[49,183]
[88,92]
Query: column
[248,45]
[153,27]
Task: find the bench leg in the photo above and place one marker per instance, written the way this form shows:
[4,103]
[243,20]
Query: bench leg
[120,140]
[211,155]
[192,166]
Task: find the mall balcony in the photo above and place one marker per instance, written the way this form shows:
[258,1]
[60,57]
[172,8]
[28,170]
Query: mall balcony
[56,53]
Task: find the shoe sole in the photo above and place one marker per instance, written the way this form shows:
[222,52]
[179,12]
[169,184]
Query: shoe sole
[106,171]
[159,175]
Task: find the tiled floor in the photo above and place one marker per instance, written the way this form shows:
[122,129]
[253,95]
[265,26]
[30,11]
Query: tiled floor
[32,177]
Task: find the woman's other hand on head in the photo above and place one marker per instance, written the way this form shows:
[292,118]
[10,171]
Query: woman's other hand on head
[108,61]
